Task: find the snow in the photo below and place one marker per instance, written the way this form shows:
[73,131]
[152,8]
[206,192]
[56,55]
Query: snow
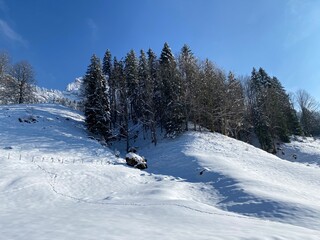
[75,86]
[56,183]
[45,95]
[302,149]
[72,92]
